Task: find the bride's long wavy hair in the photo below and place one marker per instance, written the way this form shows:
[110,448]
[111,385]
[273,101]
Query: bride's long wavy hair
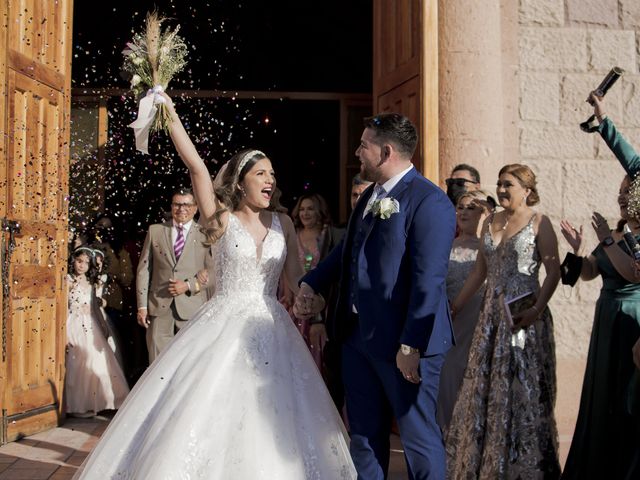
[227,191]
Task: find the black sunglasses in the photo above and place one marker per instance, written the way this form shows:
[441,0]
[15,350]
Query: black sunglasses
[458,181]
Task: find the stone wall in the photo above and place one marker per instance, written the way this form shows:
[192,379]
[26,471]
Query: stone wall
[565,49]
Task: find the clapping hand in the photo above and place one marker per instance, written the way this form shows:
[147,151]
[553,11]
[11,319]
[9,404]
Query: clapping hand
[572,236]
[600,226]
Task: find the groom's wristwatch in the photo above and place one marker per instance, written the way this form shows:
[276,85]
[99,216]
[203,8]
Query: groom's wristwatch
[407,350]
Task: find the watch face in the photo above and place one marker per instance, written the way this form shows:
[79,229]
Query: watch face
[608,241]
[406,349]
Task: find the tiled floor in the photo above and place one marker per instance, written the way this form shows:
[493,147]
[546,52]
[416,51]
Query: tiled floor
[55,454]
[51,455]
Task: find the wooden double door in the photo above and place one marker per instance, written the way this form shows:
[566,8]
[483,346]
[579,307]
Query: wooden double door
[35,68]
[35,75]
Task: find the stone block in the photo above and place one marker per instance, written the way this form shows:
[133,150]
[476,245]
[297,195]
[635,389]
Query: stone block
[631,99]
[595,12]
[548,13]
[543,142]
[554,49]
[572,321]
[630,14]
[574,91]
[540,97]
[591,185]
[588,292]
[612,48]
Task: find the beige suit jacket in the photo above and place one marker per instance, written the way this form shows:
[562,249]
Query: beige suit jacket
[158,265]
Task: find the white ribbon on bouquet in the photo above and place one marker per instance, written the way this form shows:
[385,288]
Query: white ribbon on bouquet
[146,113]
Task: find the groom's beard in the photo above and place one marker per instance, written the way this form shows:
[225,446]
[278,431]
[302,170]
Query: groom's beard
[369,173]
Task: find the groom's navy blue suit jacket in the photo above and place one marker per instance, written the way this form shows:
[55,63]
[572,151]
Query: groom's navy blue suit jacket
[395,275]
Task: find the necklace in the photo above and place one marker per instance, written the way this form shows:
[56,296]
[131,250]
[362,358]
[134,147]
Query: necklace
[506,221]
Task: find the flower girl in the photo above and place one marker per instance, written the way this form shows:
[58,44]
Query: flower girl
[94,381]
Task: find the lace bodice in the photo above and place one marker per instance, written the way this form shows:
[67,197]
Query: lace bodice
[461,262]
[79,296]
[239,269]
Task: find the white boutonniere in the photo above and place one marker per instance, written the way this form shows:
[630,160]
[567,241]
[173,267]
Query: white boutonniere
[385,207]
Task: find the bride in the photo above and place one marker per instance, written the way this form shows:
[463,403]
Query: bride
[236,395]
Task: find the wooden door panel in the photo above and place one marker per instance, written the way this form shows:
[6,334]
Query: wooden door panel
[36,109]
[405,65]
[396,42]
[34,126]
[38,33]
[404,99]
[34,146]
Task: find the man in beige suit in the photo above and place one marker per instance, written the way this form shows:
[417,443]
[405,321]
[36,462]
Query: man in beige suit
[168,289]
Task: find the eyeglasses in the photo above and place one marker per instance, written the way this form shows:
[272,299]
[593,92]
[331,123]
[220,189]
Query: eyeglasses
[182,205]
[459,181]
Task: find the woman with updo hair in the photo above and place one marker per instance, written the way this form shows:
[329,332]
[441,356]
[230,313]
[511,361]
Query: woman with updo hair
[503,424]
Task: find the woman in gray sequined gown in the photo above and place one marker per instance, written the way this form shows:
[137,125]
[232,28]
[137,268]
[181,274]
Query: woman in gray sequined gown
[503,426]
[471,210]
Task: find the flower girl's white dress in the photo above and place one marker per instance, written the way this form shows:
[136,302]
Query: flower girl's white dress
[236,395]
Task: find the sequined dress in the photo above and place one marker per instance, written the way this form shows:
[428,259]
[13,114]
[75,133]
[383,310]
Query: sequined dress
[461,262]
[503,425]
[236,395]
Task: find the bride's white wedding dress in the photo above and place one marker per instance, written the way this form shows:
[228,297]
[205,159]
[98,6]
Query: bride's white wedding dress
[236,395]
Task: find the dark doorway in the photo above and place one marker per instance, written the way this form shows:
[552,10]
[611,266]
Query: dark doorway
[263,46]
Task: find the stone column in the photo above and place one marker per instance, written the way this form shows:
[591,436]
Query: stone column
[478,85]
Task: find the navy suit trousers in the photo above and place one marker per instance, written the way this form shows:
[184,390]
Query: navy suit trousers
[375,392]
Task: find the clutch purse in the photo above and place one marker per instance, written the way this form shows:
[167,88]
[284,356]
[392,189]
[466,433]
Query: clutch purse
[570,269]
[514,306]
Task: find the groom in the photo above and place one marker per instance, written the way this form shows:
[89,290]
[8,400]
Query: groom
[392,313]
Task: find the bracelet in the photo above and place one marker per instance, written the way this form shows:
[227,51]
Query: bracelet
[198,287]
[536,309]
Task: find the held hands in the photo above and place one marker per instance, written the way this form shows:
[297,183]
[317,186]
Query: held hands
[177,287]
[307,303]
[600,226]
[408,366]
[572,236]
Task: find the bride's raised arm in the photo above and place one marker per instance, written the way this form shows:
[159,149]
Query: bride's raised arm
[200,177]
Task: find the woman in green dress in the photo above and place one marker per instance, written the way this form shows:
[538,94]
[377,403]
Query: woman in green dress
[606,441]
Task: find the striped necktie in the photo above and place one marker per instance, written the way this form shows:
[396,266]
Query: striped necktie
[178,247]
[378,192]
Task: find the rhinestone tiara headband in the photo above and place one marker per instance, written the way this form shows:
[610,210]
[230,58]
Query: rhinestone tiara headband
[245,159]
